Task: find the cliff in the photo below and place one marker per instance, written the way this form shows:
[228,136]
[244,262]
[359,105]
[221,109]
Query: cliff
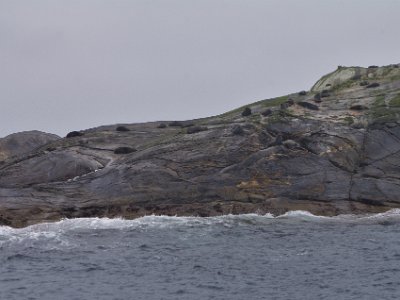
[334,149]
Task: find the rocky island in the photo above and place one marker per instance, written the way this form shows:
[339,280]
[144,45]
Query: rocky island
[334,149]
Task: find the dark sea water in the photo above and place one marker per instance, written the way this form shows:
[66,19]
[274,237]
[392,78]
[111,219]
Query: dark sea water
[295,256]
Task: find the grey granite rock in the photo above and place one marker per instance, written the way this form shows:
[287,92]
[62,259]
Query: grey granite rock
[328,161]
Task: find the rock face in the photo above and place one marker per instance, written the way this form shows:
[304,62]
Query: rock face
[23,142]
[331,160]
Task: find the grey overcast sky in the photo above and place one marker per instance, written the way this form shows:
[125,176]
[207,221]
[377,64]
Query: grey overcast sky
[75,64]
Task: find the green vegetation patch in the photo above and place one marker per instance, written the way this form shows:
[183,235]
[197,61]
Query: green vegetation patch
[349,120]
[264,103]
[386,71]
[395,102]
[274,101]
[344,85]
[379,101]
[281,116]
[383,112]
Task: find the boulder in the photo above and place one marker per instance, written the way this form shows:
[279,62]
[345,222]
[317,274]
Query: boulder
[21,143]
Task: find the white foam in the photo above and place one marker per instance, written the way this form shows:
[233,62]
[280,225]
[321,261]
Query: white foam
[55,229]
[301,214]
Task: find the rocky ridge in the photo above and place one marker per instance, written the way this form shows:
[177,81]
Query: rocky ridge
[334,149]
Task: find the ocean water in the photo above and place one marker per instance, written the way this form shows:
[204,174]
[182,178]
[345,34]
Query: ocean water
[294,256]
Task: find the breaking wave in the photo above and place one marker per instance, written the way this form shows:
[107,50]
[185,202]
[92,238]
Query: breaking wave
[153,221]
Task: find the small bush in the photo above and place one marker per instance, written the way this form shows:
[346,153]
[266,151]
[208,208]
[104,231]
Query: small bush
[122,128]
[359,124]
[317,98]
[364,83]
[290,102]
[266,112]
[246,112]
[74,134]
[358,107]
[237,130]
[302,93]
[373,67]
[284,105]
[124,150]
[187,124]
[195,129]
[175,124]
[162,125]
[373,85]
[349,120]
[325,93]
[395,102]
[308,105]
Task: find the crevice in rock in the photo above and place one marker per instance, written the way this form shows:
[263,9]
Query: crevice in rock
[382,158]
[361,159]
[95,148]
[337,165]
[391,134]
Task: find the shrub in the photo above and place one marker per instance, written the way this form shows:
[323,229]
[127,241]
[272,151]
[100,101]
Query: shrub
[187,124]
[195,129]
[360,124]
[325,93]
[122,128]
[302,93]
[373,85]
[124,150]
[364,83]
[175,124]
[358,107]
[308,105]
[287,104]
[246,112]
[266,112]
[162,125]
[74,134]
[284,105]
[237,130]
[317,98]
[373,67]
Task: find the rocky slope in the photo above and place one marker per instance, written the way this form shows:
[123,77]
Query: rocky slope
[334,149]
